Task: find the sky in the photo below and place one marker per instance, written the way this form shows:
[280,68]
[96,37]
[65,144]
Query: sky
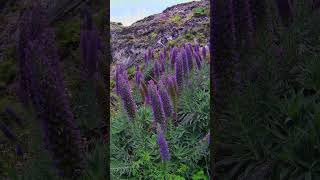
[130,11]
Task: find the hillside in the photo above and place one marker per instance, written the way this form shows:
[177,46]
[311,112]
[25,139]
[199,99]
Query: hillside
[177,24]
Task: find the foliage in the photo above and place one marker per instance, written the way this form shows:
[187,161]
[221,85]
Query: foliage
[271,130]
[134,149]
[153,35]
[176,19]
[199,11]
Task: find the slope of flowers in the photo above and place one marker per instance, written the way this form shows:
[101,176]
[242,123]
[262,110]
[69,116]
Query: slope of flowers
[161,127]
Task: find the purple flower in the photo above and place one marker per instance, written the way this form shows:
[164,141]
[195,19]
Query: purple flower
[156,69]
[89,44]
[19,151]
[198,60]
[172,88]
[138,76]
[185,62]
[249,22]
[165,53]
[179,72]
[189,58]
[126,96]
[146,58]
[150,53]
[7,132]
[197,48]
[157,106]
[119,70]
[163,145]
[166,102]
[48,94]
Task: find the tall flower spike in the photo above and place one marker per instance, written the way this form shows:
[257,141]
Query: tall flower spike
[189,57]
[119,71]
[163,145]
[138,76]
[146,58]
[248,23]
[179,72]
[172,86]
[184,62]
[165,53]
[89,44]
[127,100]
[198,60]
[157,106]
[166,102]
[49,98]
[156,69]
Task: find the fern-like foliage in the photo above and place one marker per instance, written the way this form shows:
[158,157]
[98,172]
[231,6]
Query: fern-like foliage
[271,130]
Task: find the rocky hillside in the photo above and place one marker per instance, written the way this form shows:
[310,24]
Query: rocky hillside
[187,22]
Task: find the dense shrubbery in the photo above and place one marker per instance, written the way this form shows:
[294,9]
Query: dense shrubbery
[162,131]
[270,129]
[59,136]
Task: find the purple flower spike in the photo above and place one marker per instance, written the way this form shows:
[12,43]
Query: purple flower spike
[165,53]
[198,60]
[166,102]
[163,145]
[127,99]
[185,62]
[157,106]
[146,58]
[139,76]
[150,53]
[172,89]
[189,58]
[156,69]
[197,48]
[7,132]
[19,151]
[179,72]
[119,71]
[163,68]
[89,45]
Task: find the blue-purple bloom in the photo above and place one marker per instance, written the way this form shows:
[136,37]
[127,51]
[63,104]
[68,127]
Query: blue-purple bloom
[138,76]
[157,106]
[7,132]
[48,93]
[184,62]
[163,145]
[126,96]
[179,72]
[198,60]
[156,69]
[146,58]
[89,44]
[166,102]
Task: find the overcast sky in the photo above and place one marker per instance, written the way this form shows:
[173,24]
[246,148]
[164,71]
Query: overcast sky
[130,11]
